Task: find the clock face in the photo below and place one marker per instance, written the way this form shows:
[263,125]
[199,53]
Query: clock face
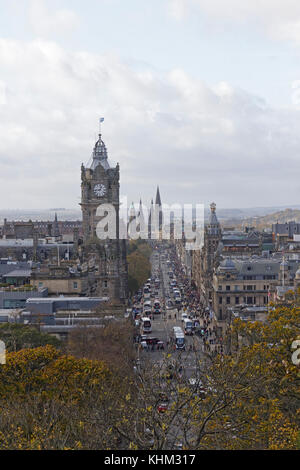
[100,190]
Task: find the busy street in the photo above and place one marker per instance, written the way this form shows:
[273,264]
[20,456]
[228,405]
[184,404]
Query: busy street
[169,318]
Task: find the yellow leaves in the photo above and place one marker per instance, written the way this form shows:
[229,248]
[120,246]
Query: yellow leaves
[128,397]
[133,446]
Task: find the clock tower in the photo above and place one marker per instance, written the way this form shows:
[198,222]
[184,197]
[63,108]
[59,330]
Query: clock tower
[100,184]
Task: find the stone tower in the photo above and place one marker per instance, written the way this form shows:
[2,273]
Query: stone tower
[55,227]
[212,238]
[100,185]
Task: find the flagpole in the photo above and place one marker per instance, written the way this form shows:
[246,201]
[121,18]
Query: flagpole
[100,122]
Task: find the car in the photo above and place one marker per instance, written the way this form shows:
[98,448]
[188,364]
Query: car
[178,446]
[152,340]
[149,339]
[163,403]
[162,407]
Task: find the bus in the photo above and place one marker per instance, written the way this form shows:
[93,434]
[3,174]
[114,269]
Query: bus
[178,338]
[188,326]
[146,326]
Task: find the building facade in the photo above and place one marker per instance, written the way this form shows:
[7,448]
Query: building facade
[251,282]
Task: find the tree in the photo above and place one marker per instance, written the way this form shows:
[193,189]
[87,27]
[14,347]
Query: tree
[17,337]
[53,401]
[139,266]
[112,343]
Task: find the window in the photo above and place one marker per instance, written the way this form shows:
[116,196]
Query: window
[220,300]
[40,284]
[237,300]
[14,304]
[227,287]
[220,288]
[75,285]
[227,300]
[249,300]
[236,287]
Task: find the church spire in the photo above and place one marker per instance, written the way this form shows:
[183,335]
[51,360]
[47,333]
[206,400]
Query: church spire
[158,208]
[158,199]
[55,227]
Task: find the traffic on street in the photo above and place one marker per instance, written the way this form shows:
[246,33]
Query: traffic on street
[169,318]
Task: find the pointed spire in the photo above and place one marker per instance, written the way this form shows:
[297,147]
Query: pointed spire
[141,227]
[56,227]
[151,214]
[158,199]
[132,214]
[140,208]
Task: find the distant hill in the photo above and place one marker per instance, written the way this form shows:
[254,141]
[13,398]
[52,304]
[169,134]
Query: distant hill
[266,221]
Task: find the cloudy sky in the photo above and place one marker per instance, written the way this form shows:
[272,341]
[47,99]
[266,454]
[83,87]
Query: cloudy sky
[199,96]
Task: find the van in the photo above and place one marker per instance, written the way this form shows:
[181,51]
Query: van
[146,326]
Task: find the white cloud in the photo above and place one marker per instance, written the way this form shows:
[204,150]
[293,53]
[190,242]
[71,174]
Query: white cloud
[280,19]
[178,9]
[44,20]
[2,92]
[199,142]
